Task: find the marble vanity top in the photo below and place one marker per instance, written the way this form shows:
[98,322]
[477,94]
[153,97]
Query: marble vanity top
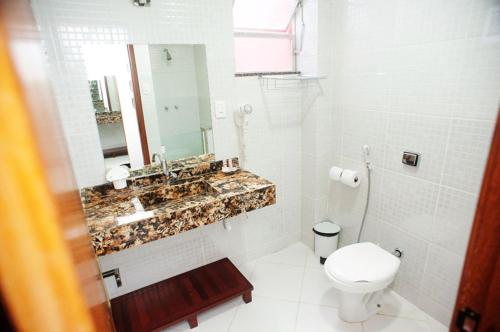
[108,117]
[176,208]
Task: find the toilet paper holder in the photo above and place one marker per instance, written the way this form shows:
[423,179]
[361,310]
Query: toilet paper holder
[350,178]
[346,176]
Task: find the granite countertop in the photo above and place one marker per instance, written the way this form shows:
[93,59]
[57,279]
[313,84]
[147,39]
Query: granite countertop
[177,208]
[108,117]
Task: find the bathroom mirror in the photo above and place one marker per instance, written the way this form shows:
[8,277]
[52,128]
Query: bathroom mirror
[148,99]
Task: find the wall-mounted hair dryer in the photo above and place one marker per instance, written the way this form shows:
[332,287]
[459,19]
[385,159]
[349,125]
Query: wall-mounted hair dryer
[241,123]
[241,112]
[246,109]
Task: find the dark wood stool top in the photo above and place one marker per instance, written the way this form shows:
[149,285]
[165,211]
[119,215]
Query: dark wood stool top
[180,298]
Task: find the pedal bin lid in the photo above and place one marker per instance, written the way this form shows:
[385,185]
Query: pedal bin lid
[326,228]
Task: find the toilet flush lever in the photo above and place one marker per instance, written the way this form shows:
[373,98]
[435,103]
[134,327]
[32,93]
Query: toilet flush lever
[398,252]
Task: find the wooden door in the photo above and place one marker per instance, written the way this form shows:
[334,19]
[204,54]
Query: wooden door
[478,303]
[49,277]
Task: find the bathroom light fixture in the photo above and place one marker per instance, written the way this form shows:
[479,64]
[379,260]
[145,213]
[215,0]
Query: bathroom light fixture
[142,3]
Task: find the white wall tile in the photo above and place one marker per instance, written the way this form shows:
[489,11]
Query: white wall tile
[360,128]
[431,70]
[420,134]
[411,270]
[307,217]
[408,203]
[476,94]
[371,229]
[441,278]
[467,153]
[424,77]
[453,219]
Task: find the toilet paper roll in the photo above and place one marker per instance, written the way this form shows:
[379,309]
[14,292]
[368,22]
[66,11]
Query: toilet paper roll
[335,173]
[350,178]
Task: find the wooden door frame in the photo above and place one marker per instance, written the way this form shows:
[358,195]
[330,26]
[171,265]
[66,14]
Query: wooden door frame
[49,276]
[138,104]
[480,284]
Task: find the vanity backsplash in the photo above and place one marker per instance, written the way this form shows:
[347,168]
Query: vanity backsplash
[200,194]
[183,170]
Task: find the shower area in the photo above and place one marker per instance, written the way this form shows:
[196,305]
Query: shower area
[175,95]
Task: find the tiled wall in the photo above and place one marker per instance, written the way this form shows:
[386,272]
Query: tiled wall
[67,25]
[273,135]
[422,76]
[317,136]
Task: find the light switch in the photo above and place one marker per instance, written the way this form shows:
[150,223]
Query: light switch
[220,109]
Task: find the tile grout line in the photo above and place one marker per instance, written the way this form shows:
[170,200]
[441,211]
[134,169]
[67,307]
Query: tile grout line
[280,263]
[233,318]
[300,291]
[250,275]
[267,297]
[320,305]
[404,317]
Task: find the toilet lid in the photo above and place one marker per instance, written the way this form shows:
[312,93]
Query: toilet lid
[362,262]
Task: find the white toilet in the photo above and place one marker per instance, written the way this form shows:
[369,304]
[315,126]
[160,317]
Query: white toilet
[360,272]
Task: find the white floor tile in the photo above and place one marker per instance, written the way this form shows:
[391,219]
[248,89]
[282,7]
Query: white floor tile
[318,289]
[397,306]
[277,281]
[264,314]
[246,269]
[312,260]
[293,255]
[436,326]
[380,323]
[292,293]
[315,318]
[217,319]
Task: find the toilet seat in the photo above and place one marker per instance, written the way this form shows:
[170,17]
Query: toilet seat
[361,267]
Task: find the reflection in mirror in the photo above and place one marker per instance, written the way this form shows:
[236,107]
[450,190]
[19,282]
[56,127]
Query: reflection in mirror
[148,99]
[107,66]
[173,82]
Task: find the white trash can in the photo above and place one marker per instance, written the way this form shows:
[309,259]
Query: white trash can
[326,237]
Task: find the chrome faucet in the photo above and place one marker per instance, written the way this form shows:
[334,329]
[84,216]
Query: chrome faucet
[163,162]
